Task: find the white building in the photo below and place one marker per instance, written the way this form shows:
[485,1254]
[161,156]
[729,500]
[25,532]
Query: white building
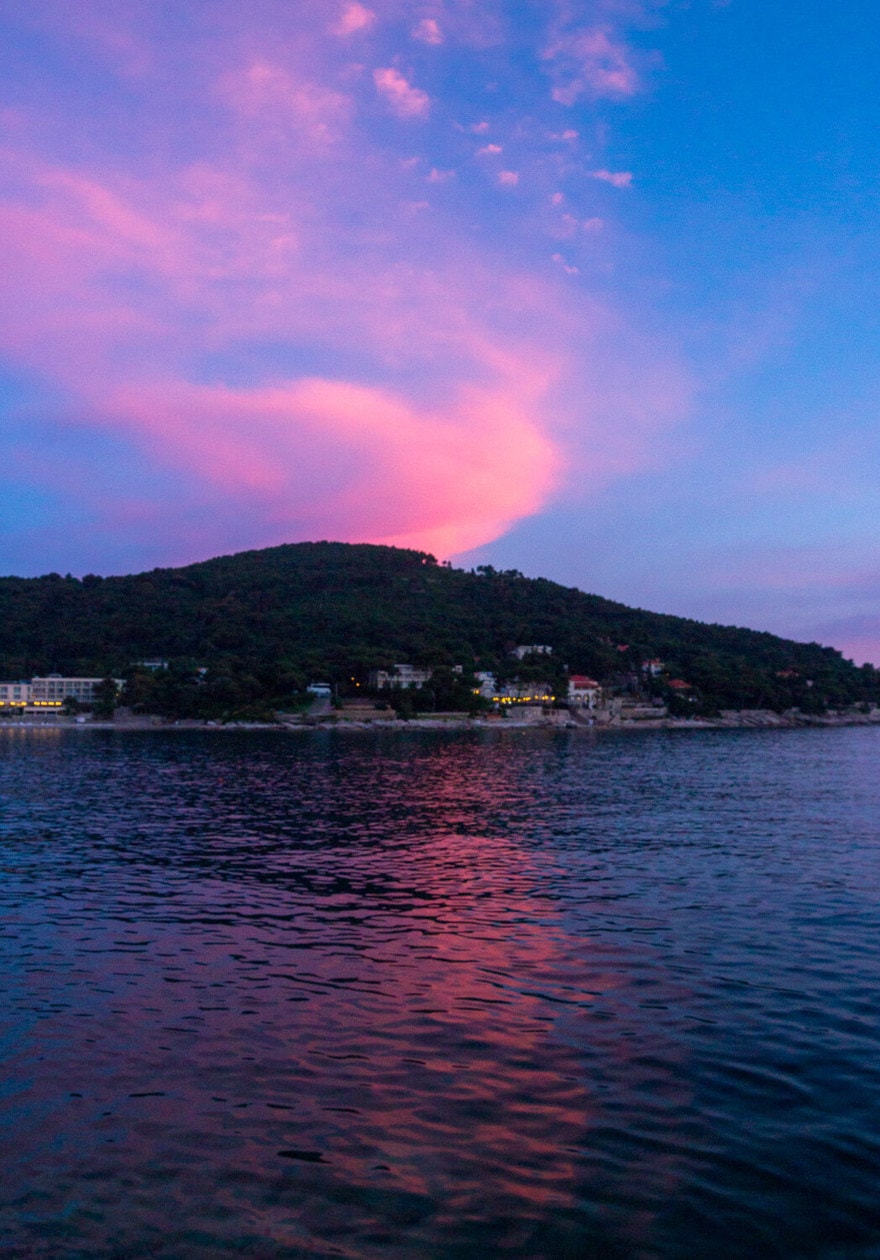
[14,694]
[51,692]
[583,691]
[487,686]
[402,676]
[516,692]
[531,649]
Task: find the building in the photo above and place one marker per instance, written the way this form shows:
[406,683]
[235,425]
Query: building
[583,691]
[531,649]
[487,687]
[14,695]
[512,693]
[516,692]
[653,668]
[51,692]
[402,676]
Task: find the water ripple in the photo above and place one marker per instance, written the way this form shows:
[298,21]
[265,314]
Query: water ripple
[538,995]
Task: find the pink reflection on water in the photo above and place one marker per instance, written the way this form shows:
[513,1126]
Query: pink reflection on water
[390,1028]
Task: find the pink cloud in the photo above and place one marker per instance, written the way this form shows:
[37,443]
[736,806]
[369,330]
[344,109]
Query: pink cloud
[590,63]
[354,17]
[113,33]
[567,267]
[378,465]
[428,32]
[617,179]
[404,100]
[423,389]
[222,267]
[565,226]
[304,109]
[403,476]
[489,150]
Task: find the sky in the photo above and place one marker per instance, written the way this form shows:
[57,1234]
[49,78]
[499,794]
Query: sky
[584,288]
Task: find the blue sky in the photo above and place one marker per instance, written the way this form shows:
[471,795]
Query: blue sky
[581,287]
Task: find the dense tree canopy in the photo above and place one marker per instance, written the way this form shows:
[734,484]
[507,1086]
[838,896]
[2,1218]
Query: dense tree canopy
[252,629]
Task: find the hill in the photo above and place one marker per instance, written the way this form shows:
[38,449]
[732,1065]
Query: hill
[260,624]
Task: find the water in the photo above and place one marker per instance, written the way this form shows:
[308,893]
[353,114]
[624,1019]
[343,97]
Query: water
[514,994]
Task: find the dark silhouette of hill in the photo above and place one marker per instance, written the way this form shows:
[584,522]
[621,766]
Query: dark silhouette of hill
[262,623]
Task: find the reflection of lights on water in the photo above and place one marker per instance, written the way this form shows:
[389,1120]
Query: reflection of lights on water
[34,728]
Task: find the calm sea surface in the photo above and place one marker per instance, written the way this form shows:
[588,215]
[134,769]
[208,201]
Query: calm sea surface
[445,996]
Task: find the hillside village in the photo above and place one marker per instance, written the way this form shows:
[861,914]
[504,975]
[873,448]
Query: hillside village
[326,630]
[403,691]
[574,692]
[403,687]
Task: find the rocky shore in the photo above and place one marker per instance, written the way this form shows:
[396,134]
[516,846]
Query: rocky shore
[559,719]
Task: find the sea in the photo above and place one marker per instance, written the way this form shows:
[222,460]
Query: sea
[440,995]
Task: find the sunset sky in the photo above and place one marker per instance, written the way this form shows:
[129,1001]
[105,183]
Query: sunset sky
[586,288]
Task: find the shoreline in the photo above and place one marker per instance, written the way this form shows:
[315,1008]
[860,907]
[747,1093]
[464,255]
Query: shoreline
[747,719]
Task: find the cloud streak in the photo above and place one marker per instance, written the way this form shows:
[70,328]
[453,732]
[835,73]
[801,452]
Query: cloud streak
[617,179]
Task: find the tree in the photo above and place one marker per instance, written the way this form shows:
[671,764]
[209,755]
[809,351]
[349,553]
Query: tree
[104,698]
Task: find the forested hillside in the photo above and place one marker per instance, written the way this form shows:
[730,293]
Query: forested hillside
[263,623]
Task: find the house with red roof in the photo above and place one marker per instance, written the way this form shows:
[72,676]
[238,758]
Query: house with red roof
[583,691]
